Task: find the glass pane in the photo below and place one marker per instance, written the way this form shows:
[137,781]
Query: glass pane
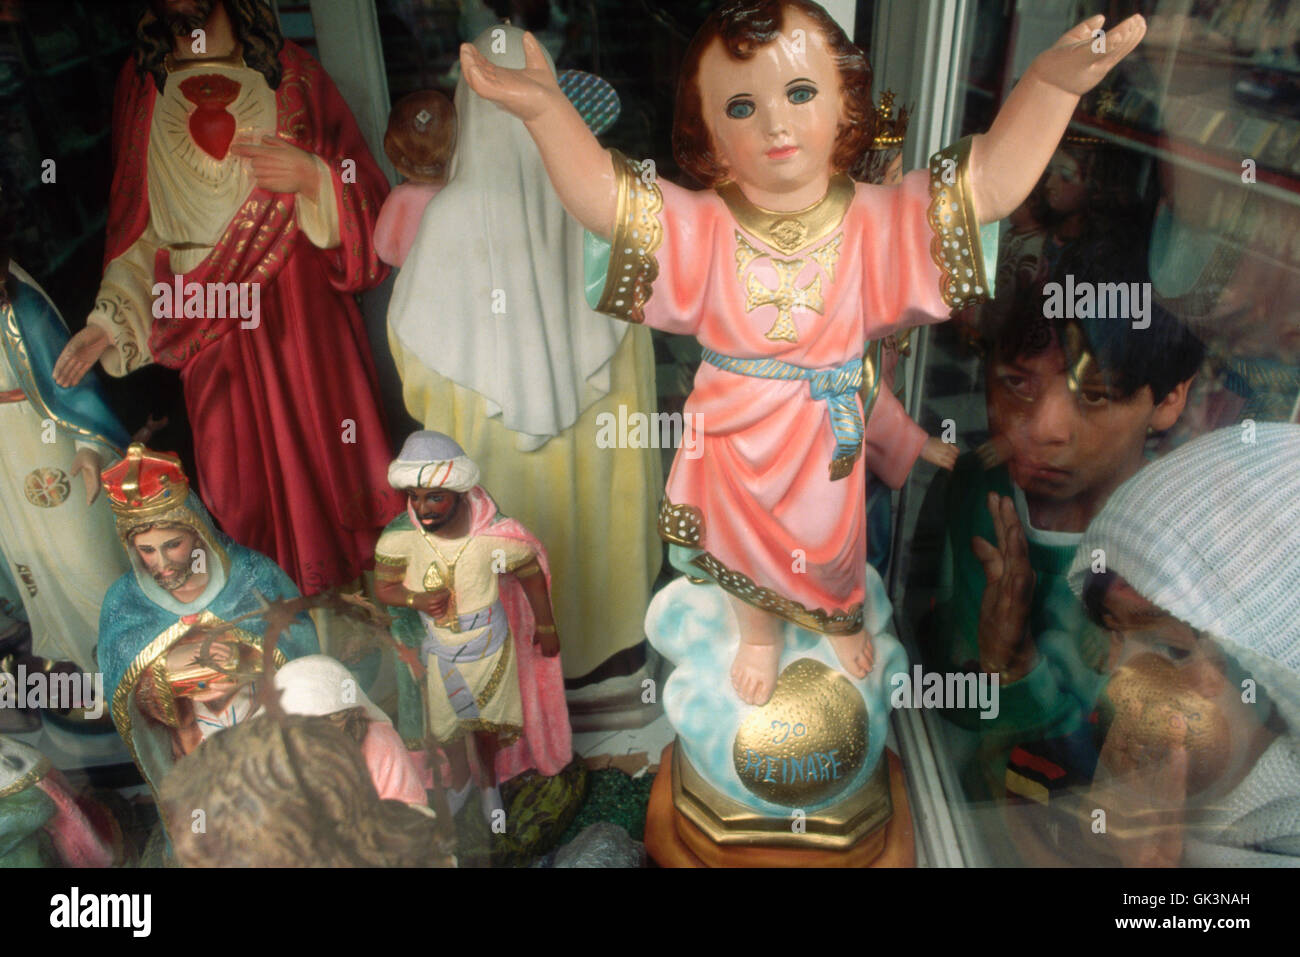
[1112,541]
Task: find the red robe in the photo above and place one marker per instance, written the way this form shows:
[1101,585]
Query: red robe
[272,408]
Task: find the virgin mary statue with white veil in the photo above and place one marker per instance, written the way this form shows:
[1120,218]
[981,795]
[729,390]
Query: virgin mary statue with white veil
[497,347]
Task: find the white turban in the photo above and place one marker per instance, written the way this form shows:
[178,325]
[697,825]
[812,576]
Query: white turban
[432,460]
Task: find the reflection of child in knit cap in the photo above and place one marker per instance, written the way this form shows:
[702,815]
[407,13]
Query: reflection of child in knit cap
[419,141]
[1201,594]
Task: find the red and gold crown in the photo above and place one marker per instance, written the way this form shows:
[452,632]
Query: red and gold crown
[891,130]
[145,484]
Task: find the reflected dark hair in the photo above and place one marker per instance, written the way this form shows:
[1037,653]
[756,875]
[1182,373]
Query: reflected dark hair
[255,27]
[1095,588]
[743,26]
[1160,356]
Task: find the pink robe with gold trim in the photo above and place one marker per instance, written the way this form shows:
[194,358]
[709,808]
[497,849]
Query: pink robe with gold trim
[760,479]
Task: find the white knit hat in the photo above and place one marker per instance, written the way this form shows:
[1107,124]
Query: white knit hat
[1211,534]
[432,460]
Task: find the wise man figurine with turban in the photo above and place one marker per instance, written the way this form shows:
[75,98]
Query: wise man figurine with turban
[472,593]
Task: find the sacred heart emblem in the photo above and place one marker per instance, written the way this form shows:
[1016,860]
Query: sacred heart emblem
[211,125]
[47,487]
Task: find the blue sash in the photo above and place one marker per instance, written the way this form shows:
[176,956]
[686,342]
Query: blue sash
[491,618]
[836,387]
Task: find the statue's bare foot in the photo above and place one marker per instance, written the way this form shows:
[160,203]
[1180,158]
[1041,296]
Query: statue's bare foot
[855,652]
[753,673]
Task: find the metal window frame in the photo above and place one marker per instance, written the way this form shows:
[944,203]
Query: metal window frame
[920,47]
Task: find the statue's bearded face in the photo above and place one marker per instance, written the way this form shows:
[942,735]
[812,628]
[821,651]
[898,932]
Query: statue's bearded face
[167,554]
[434,507]
[182,17]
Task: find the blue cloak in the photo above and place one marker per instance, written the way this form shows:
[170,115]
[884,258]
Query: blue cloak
[32,335]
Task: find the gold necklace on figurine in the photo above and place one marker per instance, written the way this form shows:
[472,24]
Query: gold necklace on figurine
[235,58]
[434,580]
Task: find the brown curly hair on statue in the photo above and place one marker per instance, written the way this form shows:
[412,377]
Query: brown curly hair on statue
[743,26]
[293,792]
[255,27]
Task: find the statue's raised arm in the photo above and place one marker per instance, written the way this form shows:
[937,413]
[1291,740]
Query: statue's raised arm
[580,169]
[1007,161]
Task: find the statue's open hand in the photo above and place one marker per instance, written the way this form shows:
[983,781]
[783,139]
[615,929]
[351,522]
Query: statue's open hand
[82,351]
[279,166]
[526,93]
[89,464]
[940,453]
[1078,61]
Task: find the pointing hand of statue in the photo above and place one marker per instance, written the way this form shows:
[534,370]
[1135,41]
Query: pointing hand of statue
[1078,61]
[89,464]
[279,166]
[526,93]
[82,351]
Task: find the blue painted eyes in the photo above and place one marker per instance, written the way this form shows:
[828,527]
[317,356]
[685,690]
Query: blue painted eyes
[744,109]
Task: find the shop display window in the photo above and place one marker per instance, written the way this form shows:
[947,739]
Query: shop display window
[1083,579]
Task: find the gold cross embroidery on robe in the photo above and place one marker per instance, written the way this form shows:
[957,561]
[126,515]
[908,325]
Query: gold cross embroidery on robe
[787,296]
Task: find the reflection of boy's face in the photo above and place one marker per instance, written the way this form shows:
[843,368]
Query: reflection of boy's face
[1065,445]
[1065,189]
[773,118]
[1171,686]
